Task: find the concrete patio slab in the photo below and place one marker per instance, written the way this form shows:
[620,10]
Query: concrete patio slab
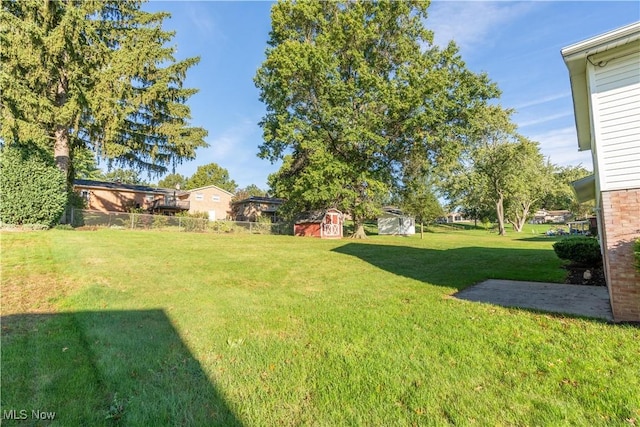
[588,301]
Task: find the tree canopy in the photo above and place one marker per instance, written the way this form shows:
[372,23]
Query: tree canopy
[249,191]
[96,75]
[172,181]
[211,174]
[500,168]
[351,90]
[125,176]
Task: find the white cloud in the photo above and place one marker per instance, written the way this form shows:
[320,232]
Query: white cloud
[201,19]
[543,100]
[232,142]
[561,147]
[544,119]
[471,23]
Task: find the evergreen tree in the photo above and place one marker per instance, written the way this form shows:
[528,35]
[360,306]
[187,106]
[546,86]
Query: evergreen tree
[95,75]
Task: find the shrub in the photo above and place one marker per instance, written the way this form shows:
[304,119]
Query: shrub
[637,253]
[32,188]
[64,227]
[197,221]
[582,250]
[160,221]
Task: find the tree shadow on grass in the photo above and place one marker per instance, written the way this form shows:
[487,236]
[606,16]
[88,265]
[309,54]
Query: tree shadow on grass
[104,368]
[460,267]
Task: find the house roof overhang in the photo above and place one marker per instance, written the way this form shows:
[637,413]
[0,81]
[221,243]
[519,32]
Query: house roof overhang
[222,190]
[585,188]
[575,58]
[118,186]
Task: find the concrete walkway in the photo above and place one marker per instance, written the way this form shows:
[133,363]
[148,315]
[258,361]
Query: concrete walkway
[588,301]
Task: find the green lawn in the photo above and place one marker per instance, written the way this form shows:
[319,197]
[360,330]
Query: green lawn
[131,328]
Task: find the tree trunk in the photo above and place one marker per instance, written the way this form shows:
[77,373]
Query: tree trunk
[61,150]
[358,232]
[421,230]
[519,221]
[500,214]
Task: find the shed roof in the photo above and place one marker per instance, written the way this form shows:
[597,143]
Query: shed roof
[260,199]
[393,211]
[313,216]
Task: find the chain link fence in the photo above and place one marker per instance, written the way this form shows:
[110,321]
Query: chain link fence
[136,221]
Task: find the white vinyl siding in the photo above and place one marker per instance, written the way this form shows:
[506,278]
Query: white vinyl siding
[615,88]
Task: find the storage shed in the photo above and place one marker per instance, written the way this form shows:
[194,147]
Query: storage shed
[395,222]
[325,224]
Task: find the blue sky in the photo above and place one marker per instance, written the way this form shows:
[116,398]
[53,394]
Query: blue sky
[516,43]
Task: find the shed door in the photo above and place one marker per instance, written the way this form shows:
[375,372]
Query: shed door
[331,227]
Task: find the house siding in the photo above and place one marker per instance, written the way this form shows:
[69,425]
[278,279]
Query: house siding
[615,87]
[620,228]
[210,200]
[116,200]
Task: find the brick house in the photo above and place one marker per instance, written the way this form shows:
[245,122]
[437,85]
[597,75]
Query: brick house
[212,200]
[106,196]
[254,207]
[605,85]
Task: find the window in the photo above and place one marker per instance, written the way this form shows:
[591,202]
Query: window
[199,197]
[149,198]
[86,195]
[215,198]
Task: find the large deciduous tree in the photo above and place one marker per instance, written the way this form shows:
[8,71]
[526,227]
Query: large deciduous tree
[352,89]
[529,185]
[562,195]
[97,75]
[250,190]
[211,174]
[500,166]
[173,180]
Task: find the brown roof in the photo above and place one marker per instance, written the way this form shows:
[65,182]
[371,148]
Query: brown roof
[312,216]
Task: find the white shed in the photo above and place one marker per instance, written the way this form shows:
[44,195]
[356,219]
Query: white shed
[605,85]
[394,222]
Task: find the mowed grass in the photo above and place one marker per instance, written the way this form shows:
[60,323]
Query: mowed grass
[131,328]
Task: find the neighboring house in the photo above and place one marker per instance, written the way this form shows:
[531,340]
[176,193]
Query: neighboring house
[394,222]
[605,85]
[212,200]
[544,216]
[452,217]
[254,207]
[325,224]
[106,196]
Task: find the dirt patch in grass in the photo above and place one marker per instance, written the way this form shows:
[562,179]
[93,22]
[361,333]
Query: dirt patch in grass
[576,275]
[35,294]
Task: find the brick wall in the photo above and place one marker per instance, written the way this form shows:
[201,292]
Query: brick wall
[621,227]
